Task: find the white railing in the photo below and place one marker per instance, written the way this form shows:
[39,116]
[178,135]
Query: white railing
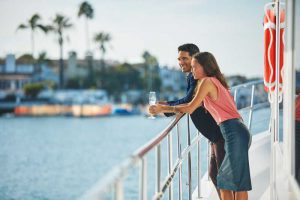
[113,182]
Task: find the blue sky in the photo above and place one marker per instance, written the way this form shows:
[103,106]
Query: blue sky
[231,30]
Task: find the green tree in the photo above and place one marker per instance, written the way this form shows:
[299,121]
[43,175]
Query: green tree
[102,39]
[33,24]
[86,10]
[26,59]
[121,78]
[60,24]
[149,59]
[129,77]
[75,83]
[151,77]
[33,89]
[42,59]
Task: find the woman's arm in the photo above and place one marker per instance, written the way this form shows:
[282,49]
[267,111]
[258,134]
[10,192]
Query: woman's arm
[204,88]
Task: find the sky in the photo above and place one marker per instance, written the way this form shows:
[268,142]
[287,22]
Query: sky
[232,30]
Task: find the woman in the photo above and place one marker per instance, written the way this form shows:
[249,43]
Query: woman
[233,178]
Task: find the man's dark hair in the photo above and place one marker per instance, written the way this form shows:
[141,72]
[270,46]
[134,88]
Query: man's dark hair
[191,48]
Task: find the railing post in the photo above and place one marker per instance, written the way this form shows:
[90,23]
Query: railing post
[119,190]
[235,94]
[189,159]
[276,103]
[199,165]
[180,169]
[143,179]
[170,156]
[158,167]
[251,107]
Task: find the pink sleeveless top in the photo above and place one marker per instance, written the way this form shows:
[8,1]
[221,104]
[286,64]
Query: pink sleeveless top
[223,108]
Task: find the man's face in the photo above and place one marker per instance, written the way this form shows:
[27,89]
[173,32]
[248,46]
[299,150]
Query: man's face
[184,60]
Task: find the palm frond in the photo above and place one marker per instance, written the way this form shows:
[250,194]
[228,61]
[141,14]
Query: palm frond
[86,9]
[67,24]
[102,37]
[22,26]
[49,28]
[33,20]
[42,27]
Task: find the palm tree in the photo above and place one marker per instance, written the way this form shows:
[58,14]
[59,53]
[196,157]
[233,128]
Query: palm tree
[60,24]
[33,24]
[150,62]
[102,39]
[149,59]
[85,9]
[42,59]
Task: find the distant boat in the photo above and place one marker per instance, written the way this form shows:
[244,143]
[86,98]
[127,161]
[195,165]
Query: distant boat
[66,110]
[125,109]
[121,111]
[77,103]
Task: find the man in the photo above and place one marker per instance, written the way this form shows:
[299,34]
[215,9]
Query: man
[202,119]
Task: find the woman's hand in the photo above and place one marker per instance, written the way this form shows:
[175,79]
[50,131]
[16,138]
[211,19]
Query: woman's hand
[155,109]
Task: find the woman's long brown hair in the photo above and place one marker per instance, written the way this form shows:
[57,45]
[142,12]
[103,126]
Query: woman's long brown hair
[210,66]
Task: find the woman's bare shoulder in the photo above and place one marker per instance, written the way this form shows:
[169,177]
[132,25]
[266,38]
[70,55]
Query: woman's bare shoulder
[206,82]
[209,85]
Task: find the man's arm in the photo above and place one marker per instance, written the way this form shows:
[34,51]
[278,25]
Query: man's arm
[189,94]
[184,100]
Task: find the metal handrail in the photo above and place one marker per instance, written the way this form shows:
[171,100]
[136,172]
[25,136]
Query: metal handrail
[250,83]
[100,189]
[114,180]
[157,139]
[251,107]
[119,173]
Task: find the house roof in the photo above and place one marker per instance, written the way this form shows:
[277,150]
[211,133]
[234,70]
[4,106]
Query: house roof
[14,76]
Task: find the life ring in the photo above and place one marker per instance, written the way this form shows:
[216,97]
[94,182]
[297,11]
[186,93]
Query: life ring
[270,48]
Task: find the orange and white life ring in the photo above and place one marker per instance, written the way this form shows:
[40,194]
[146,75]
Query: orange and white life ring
[270,48]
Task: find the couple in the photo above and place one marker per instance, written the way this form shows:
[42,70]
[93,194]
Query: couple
[208,91]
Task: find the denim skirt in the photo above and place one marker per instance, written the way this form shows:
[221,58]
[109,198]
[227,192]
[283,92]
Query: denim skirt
[234,172]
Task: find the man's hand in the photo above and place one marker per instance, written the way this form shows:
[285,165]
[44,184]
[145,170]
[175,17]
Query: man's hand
[162,102]
[155,109]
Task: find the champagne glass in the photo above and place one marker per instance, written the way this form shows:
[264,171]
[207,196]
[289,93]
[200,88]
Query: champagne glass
[152,101]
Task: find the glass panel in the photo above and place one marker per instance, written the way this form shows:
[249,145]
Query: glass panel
[297,66]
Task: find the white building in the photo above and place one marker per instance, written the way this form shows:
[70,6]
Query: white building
[173,83]
[13,77]
[15,74]
[75,67]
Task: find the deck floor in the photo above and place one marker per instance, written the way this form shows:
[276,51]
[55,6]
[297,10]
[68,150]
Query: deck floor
[259,158]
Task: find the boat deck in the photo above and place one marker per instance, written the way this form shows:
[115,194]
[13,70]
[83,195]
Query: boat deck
[259,157]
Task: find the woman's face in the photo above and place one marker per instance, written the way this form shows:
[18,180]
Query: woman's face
[197,70]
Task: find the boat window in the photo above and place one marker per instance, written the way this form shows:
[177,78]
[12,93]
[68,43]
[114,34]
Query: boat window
[297,106]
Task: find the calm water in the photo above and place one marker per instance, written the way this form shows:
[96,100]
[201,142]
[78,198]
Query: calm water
[60,157]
